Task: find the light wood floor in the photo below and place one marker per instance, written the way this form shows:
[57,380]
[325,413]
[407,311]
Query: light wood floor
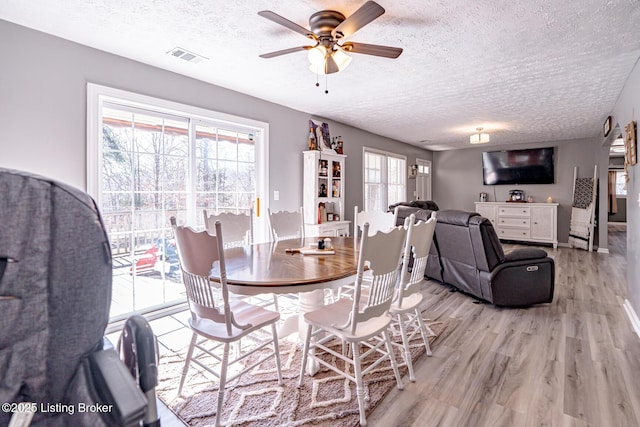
[574,362]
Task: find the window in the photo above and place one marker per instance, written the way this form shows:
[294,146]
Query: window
[148,160]
[384,177]
[621,184]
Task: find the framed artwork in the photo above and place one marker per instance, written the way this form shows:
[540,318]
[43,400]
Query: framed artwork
[606,128]
[322,135]
[630,150]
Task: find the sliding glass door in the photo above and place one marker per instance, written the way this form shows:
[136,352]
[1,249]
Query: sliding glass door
[152,165]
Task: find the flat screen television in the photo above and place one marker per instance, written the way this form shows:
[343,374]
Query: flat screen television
[531,166]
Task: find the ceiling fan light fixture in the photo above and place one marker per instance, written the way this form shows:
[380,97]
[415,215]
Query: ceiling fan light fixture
[342,59]
[317,56]
[479,138]
[319,64]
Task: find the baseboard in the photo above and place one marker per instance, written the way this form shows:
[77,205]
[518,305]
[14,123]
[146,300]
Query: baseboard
[603,250]
[633,317]
[563,245]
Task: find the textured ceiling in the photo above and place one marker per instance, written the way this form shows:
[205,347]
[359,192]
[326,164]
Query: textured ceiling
[525,70]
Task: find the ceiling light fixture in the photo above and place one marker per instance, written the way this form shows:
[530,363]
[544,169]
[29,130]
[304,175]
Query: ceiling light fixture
[479,138]
[320,56]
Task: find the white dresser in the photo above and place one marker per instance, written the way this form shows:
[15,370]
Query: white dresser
[526,222]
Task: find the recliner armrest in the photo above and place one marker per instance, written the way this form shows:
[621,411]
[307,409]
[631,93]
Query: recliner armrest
[524,254]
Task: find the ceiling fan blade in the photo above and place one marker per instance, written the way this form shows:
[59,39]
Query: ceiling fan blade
[272,16]
[358,19]
[372,49]
[285,51]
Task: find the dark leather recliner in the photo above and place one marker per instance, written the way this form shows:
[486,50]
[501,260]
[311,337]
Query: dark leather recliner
[468,255]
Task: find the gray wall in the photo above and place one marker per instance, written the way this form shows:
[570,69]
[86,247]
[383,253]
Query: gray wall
[43,113]
[627,109]
[458,178]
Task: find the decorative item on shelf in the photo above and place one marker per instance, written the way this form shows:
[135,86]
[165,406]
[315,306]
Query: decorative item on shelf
[516,196]
[529,199]
[323,190]
[630,149]
[606,128]
[336,169]
[484,197]
[324,167]
[323,139]
[339,148]
[322,213]
[335,188]
[312,139]
[549,199]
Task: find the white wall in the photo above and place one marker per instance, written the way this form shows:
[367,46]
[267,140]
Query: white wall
[627,109]
[43,113]
[458,178]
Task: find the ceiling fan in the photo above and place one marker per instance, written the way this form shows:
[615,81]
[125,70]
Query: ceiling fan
[328,28]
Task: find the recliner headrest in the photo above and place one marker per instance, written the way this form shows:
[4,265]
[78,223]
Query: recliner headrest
[455,217]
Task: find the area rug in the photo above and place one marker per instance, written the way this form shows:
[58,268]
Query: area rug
[255,398]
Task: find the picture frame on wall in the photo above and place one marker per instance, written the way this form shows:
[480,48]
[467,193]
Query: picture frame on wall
[606,128]
[630,148]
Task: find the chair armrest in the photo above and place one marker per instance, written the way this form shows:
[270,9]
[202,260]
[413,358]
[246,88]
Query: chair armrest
[523,282]
[524,254]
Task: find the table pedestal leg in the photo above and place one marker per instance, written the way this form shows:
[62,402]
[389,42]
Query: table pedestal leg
[309,301]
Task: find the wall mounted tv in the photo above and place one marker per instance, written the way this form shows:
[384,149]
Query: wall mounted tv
[532,166]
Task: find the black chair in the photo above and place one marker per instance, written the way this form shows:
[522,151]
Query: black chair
[467,254]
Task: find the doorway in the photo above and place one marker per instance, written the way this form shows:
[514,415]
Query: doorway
[423,180]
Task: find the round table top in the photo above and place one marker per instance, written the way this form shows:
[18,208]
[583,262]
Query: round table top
[269,265]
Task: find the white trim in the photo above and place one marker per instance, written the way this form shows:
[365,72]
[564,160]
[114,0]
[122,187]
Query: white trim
[633,317]
[603,250]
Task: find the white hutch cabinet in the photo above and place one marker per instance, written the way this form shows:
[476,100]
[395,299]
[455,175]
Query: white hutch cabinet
[323,199]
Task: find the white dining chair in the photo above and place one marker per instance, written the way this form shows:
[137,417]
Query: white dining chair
[405,307]
[214,316]
[238,228]
[286,225]
[238,231]
[377,220]
[363,321]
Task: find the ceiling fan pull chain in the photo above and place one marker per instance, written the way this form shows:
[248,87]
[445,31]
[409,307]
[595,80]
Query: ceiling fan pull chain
[326,83]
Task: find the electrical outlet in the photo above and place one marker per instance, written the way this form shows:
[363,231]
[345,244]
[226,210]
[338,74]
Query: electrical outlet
[276,195]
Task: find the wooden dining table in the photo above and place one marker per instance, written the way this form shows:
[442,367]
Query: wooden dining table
[276,267]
